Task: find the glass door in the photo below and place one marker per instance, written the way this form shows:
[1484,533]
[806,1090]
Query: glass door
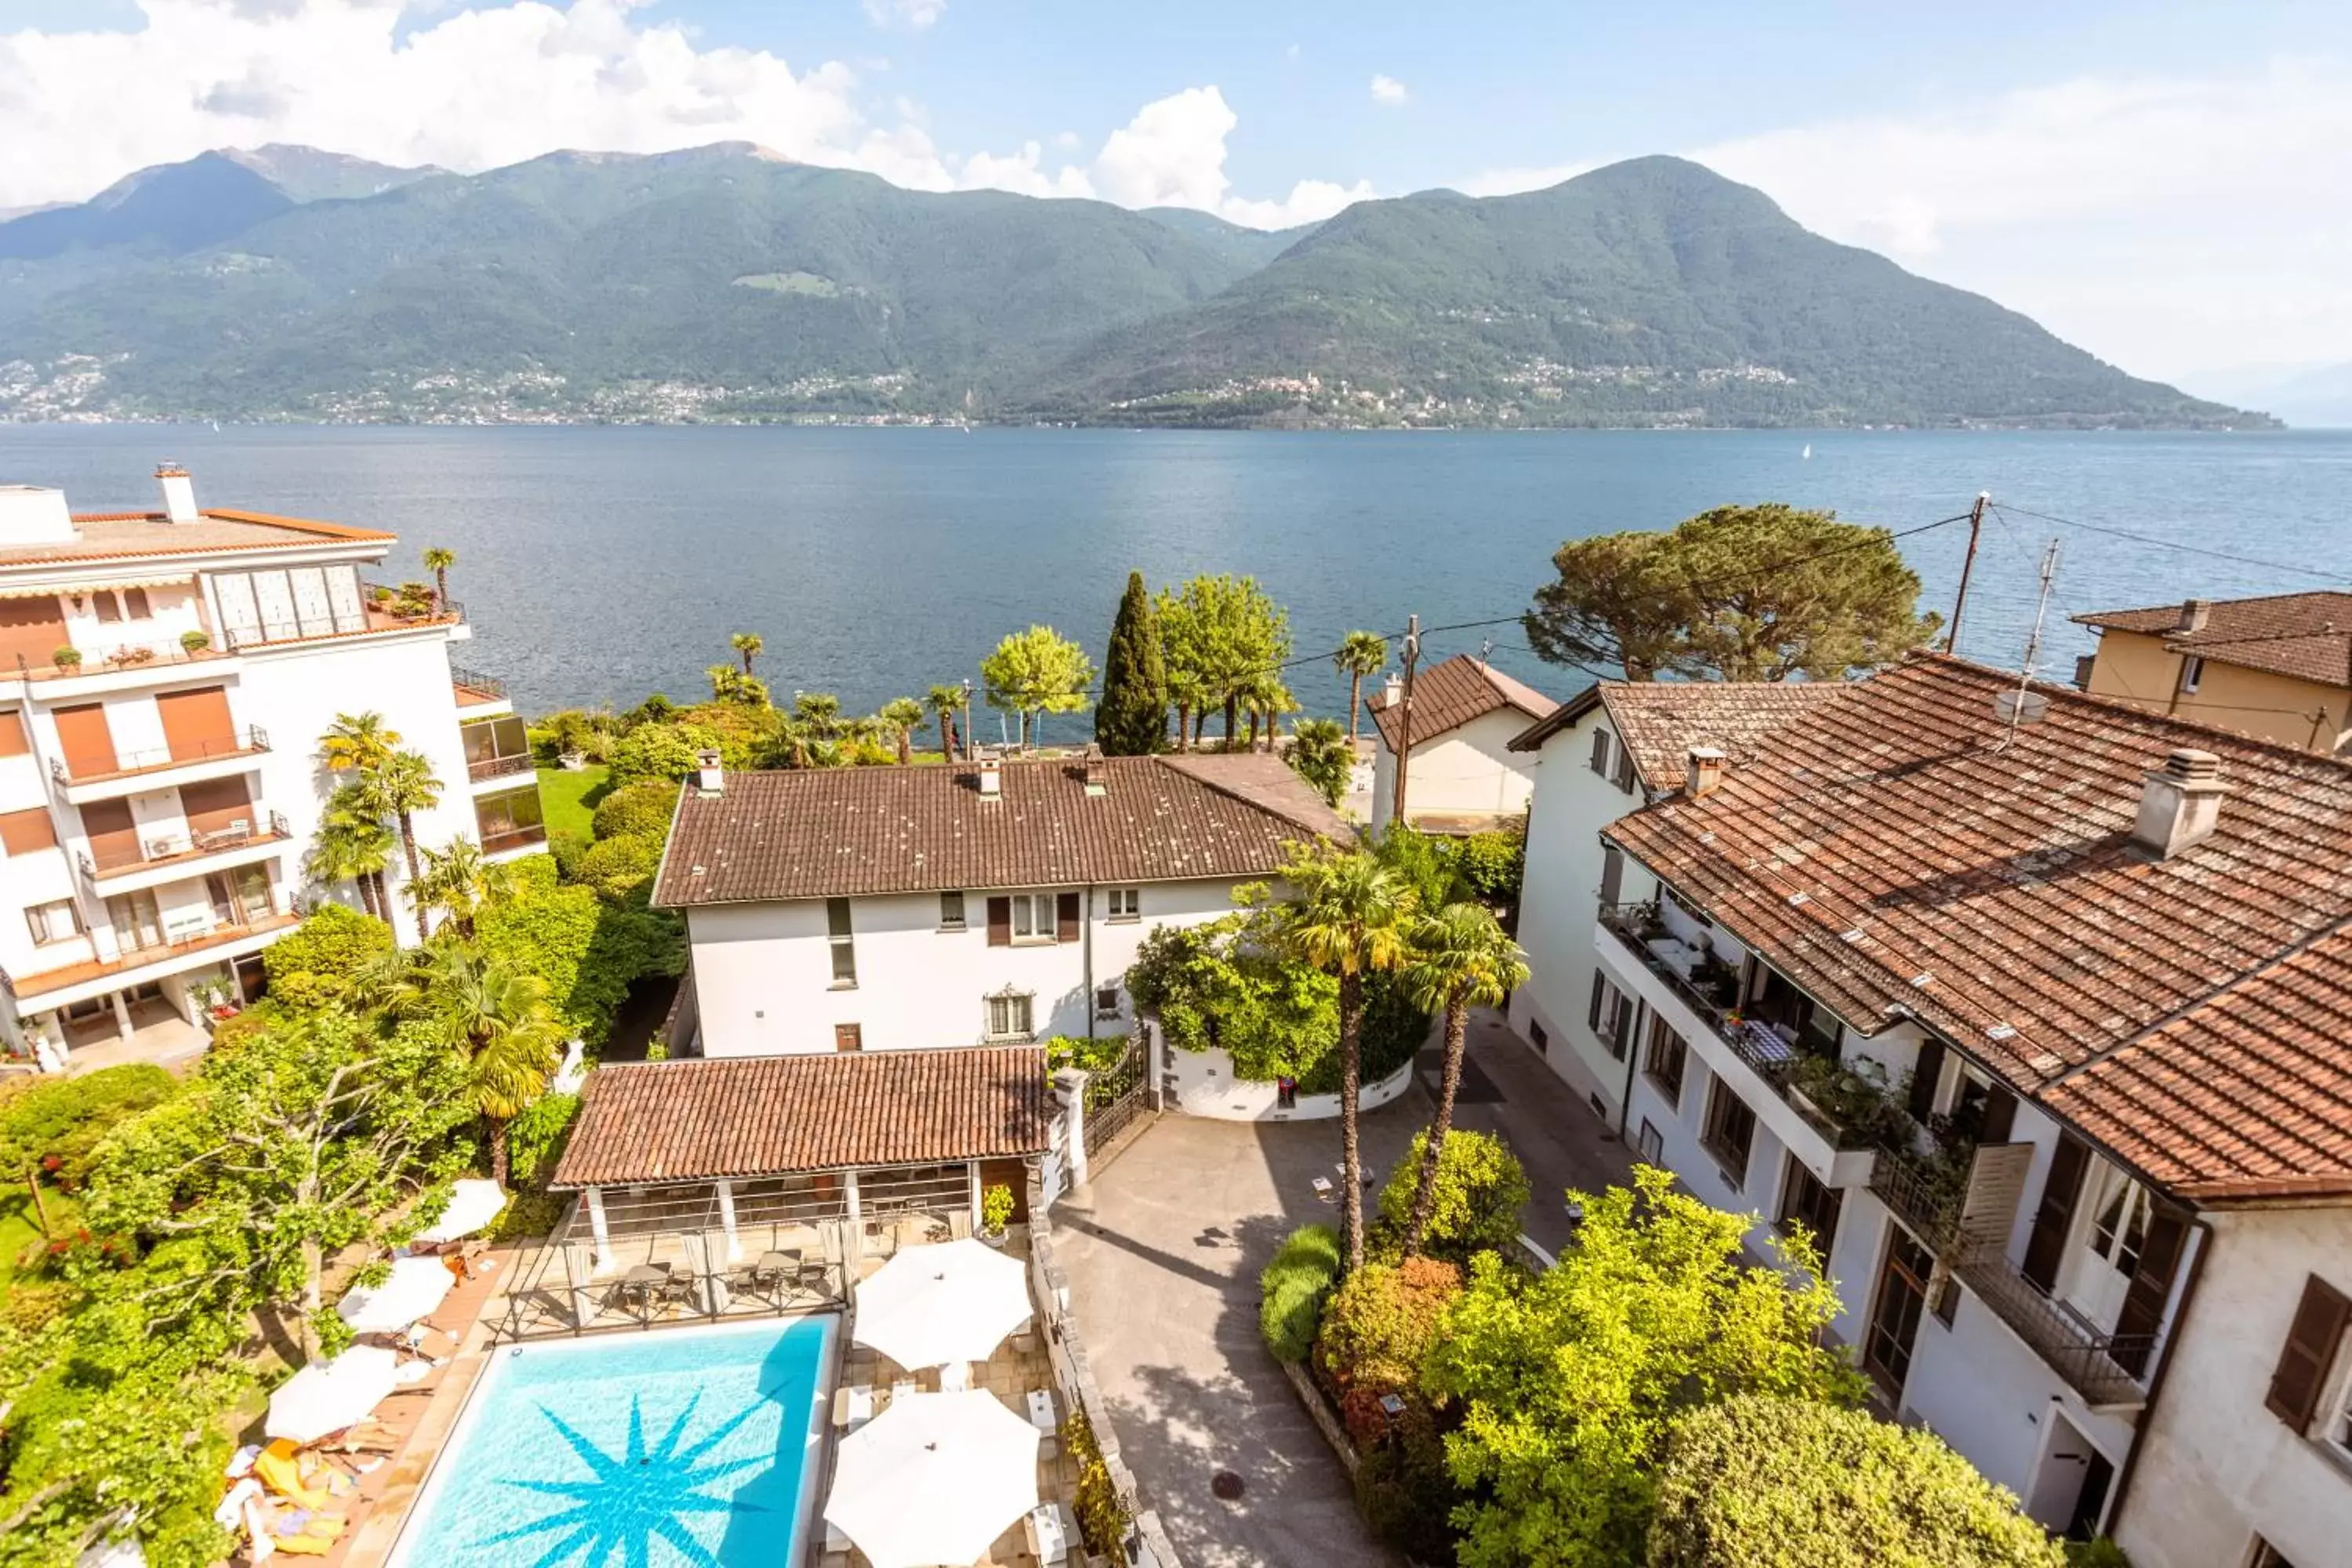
[137,923]
[1895,1316]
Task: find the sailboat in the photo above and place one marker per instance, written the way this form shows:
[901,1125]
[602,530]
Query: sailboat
[1808,452]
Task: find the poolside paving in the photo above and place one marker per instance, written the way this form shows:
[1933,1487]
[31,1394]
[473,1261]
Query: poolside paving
[1163,1253]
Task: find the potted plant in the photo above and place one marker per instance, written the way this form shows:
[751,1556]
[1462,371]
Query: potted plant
[995,1214]
[196,642]
[130,654]
[67,658]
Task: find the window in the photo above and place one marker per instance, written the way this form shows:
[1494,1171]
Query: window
[1651,1144]
[1662,1057]
[1106,1001]
[1033,917]
[1895,1317]
[1730,1132]
[1806,1200]
[844,945]
[1008,1016]
[1948,1301]
[109,608]
[848,1037]
[2192,674]
[134,603]
[1624,778]
[1126,903]
[12,742]
[952,912]
[2267,1556]
[26,832]
[1610,1017]
[2313,1338]
[53,921]
[1537,1037]
[1601,753]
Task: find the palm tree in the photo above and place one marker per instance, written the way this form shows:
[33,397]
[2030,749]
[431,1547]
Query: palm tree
[748,645]
[1361,654]
[357,743]
[459,880]
[1320,755]
[943,701]
[902,716]
[500,1018]
[437,561]
[1461,959]
[1349,914]
[396,789]
[352,846]
[821,711]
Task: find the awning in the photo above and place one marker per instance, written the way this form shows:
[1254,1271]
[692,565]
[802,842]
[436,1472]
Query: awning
[54,589]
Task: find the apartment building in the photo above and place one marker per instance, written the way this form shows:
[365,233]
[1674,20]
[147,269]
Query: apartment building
[1461,776]
[868,908]
[164,678]
[2279,667]
[2029,1007]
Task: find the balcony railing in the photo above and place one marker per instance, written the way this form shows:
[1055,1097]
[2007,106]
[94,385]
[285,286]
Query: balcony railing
[2107,1369]
[496,841]
[481,688]
[480,768]
[153,759]
[1926,1193]
[382,596]
[159,852]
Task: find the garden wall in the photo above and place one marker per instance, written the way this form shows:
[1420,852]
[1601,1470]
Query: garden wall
[1204,1085]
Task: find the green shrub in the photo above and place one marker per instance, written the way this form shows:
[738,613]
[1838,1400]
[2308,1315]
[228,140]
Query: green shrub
[1376,1331]
[1492,863]
[1098,1055]
[528,1215]
[1407,1495]
[535,1139]
[1292,1287]
[1481,1187]
[615,868]
[642,810]
[1757,1481]
[55,1124]
[565,848]
[1103,1518]
[313,964]
[659,751]
[2100,1553]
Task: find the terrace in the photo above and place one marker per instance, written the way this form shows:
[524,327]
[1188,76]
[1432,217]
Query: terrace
[109,871]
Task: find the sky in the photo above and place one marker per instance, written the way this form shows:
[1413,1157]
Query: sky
[2164,183]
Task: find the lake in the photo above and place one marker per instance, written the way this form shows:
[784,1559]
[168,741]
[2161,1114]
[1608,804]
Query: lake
[601,563]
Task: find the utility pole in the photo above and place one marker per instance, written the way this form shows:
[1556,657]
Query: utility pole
[967,720]
[1961,600]
[1404,715]
[2033,645]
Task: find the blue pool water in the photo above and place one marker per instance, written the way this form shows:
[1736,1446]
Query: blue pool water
[680,1448]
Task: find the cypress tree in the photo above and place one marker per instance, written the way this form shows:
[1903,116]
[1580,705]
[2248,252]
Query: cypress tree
[1131,720]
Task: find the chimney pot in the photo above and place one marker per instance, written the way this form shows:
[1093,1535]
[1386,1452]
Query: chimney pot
[992,778]
[1704,770]
[1395,688]
[2194,614]
[2179,804]
[179,493]
[1098,776]
[710,778]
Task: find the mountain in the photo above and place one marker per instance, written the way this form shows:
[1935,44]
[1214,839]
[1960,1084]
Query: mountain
[724,282]
[2316,396]
[1649,293]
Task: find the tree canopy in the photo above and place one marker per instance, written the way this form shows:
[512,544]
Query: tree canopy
[1036,673]
[1743,592]
[1131,720]
[1224,642]
[1320,755]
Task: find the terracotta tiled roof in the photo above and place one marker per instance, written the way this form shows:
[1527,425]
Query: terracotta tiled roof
[855,832]
[125,535]
[1661,721]
[772,1116]
[1901,850]
[1450,693]
[2306,636]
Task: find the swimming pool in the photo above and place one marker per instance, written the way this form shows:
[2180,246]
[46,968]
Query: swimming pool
[677,1447]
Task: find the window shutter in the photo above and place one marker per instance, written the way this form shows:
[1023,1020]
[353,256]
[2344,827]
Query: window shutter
[2310,1342]
[1624,770]
[1924,1078]
[1999,1116]
[2151,1286]
[1612,875]
[1065,916]
[2047,1246]
[23,832]
[1601,753]
[1000,922]
[1592,1016]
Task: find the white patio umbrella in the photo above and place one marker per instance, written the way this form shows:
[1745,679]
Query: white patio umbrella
[933,1480]
[932,1305]
[416,1286]
[327,1396]
[473,1203]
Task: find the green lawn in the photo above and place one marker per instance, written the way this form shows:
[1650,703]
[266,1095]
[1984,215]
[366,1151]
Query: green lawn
[569,799]
[17,1230]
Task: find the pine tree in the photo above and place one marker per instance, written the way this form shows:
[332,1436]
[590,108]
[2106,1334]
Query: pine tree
[1132,720]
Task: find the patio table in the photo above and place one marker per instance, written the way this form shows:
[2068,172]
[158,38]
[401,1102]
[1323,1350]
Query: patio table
[1049,1540]
[1764,1044]
[643,1279]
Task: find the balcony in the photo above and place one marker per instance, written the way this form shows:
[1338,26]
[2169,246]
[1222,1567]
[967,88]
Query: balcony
[382,609]
[164,858]
[164,662]
[475,691]
[2106,1368]
[480,769]
[503,841]
[79,982]
[132,770]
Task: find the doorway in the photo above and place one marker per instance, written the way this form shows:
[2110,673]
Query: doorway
[2070,1487]
[1896,1311]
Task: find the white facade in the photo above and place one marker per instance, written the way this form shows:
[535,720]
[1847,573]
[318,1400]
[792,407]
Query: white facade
[160,800]
[764,975]
[1467,772]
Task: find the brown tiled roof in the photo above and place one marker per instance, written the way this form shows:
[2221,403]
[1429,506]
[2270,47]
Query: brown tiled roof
[2306,636]
[1449,694]
[772,1116]
[855,832]
[1661,721]
[1900,850]
[124,535]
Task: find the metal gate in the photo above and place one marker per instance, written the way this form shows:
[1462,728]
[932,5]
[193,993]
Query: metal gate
[1116,1095]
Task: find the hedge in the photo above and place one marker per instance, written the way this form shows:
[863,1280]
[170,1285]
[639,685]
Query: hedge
[1292,1287]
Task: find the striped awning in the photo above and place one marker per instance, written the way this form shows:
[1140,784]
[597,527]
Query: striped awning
[51,590]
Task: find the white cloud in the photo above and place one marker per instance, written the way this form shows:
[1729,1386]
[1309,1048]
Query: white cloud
[1172,154]
[1510,182]
[1388,90]
[910,15]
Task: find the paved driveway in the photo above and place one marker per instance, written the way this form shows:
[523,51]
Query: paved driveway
[1163,1253]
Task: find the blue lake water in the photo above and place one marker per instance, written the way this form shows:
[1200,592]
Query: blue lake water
[684,1449]
[599,563]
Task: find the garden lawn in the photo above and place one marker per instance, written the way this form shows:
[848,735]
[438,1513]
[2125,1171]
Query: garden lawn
[569,799]
[18,1232]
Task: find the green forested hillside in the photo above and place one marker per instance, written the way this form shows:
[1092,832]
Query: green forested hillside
[722,283]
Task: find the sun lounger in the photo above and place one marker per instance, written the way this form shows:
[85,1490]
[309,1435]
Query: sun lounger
[1048,1531]
[1041,1416]
[853,1406]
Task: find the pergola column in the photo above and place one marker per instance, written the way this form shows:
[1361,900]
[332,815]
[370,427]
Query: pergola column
[122,1015]
[849,1194]
[1070,1088]
[727,1221]
[971,1173]
[596,1228]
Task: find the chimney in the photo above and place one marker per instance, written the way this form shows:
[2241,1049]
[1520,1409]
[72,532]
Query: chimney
[179,493]
[1097,775]
[992,777]
[2193,615]
[710,778]
[1395,690]
[34,514]
[1703,770]
[2180,804]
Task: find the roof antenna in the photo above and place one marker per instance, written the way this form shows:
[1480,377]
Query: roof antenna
[2024,705]
[1485,651]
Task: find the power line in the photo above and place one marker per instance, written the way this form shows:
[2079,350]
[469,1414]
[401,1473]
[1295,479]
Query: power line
[2170,544]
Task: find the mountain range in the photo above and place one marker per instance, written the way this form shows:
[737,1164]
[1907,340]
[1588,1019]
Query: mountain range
[724,282]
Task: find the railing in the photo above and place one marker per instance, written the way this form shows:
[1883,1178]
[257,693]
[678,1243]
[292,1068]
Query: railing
[164,851]
[1927,1194]
[513,839]
[480,768]
[382,596]
[150,759]
[128,656]
[2106,1368]
[266,633]
[473,680]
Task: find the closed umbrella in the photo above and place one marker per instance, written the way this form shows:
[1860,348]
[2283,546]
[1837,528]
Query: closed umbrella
[932,1305]
[933,1480]
[327,1396]
[473,1203]
[416,1287]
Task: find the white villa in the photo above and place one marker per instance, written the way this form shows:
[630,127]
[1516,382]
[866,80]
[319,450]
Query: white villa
[164,677]
[1461,775]
[881,909]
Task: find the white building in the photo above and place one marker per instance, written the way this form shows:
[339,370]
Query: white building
[164,677]
[888,908]
[2037,1028]
[1461,775]
[1613,748]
